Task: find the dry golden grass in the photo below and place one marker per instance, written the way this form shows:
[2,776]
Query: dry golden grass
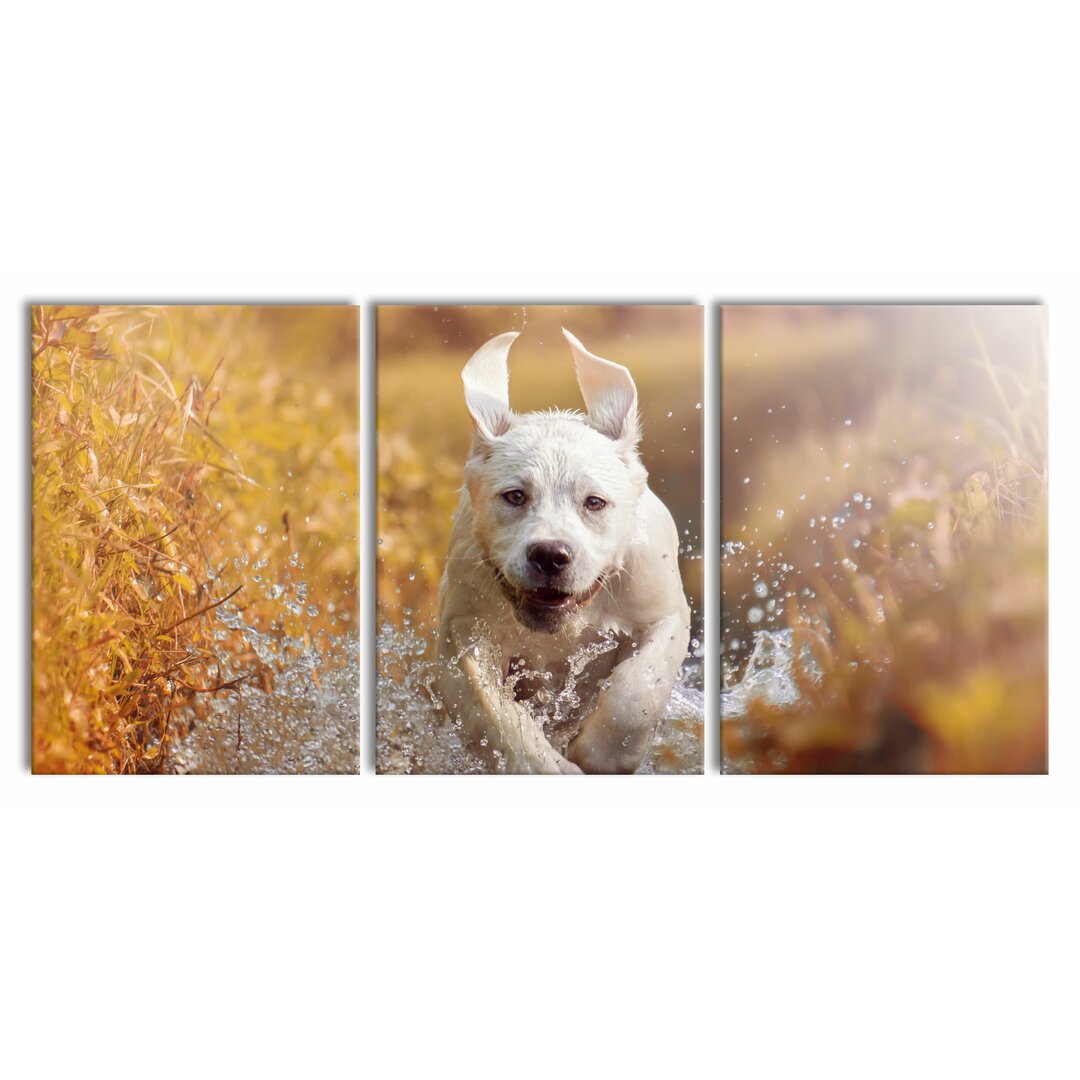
[183,459]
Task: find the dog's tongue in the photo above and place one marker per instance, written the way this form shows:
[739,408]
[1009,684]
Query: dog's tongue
[549,597]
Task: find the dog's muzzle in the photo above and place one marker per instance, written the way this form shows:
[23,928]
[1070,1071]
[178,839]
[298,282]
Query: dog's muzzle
[545,607]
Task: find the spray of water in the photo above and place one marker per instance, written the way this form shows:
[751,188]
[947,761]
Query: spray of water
[298,712]
[416,735]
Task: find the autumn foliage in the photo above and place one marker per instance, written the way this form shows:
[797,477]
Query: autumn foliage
[171,453]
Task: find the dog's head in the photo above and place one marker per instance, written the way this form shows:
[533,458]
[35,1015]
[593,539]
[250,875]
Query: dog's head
[553,495]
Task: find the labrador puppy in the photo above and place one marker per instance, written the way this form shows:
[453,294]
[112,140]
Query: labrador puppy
[562,580]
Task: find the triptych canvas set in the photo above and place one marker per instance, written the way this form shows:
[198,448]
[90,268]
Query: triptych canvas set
[864,580]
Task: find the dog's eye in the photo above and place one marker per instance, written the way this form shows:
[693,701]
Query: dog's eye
[594,502]
[515,497]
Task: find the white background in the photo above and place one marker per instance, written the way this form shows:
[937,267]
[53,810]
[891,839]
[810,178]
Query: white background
[789,927]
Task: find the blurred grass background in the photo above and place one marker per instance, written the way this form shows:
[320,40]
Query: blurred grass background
[424,431]
[181,455]
[885,495]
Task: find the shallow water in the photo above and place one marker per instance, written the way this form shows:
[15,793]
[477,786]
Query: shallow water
[769,676]
[770,679]
[415,736]
[308,721]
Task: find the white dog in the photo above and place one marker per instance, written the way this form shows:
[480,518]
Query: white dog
[563,565]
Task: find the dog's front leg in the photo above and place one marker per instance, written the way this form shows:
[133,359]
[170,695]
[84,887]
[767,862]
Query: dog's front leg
[616,734]
[501,729]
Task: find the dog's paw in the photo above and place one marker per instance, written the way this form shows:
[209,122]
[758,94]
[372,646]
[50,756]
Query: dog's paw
[567,768]
[607,746]
[599,756]
[552,764]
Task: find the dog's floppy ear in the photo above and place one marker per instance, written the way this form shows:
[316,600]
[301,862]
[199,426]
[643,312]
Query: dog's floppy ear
[486,386]
[609,392]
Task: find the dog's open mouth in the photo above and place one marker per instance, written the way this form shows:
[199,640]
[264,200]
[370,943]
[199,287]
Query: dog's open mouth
[546,606]
[552,599]
[548,598]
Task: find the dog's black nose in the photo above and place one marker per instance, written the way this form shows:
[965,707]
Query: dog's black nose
[550,557]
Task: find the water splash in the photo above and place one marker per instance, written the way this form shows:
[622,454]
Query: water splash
[416,735]
[770,676]
[295,705]
[308,721]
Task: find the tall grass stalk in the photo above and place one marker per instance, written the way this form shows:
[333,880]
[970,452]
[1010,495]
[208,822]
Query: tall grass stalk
[120,594]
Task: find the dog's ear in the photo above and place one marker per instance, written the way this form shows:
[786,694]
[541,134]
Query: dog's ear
[609,392]
[486,382]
